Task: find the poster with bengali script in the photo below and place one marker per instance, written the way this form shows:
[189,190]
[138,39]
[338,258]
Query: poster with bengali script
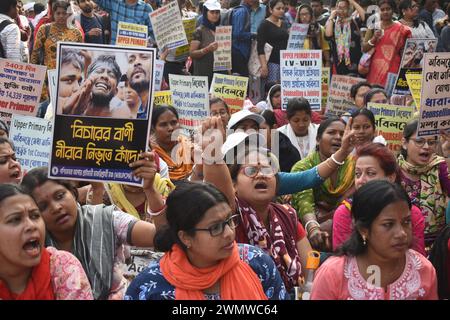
[163,98]
[132,35]
[390,120]
[339,99]
[159,72]
[182,53]
[190,99]
[32,138]
[91,140]
[20,87]
[222,56]
[297,36]
[168,26]
[301,76]
[415,85]
[231,89]
[435,94]
[412,62]
[325,86]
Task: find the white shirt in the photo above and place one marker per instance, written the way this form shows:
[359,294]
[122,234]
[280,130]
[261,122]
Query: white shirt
[10,38]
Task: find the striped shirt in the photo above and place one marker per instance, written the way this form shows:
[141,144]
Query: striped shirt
[119,10]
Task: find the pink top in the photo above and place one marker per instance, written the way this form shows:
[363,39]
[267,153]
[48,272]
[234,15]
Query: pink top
[339,279]
[69,280]
[342,228]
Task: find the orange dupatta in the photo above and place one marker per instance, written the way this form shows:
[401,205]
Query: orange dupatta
[238,281]
[181,168]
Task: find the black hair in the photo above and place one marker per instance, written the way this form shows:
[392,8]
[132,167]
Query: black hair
[368,202]
[354,88]
[391,3]
[269,117]
[404,5]
[369,95]
[108,60]
[439,257]
[5,5]
[275,88]
[8,141]
[157,112]
[60,4]
[408,131]
[38,8]
[9,190]
[73,57]
[214,100]
[38,176]
[324,125]
[367,113]
[297,104]
[320,1]
[186,207]
[271,5]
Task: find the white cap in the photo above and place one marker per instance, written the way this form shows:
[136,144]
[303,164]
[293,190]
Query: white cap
[242,115]
[28,6]
[212,5]
[239,137]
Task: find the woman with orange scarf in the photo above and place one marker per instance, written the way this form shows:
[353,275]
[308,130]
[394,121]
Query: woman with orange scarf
[28,271]
[202,260]
[175,151]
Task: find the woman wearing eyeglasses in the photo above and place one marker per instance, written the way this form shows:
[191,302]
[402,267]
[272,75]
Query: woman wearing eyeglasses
[202,260]
[424,175]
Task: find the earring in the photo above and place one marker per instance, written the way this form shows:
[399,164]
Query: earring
[364,240]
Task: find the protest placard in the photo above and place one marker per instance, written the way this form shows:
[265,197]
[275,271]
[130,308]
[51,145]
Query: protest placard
[415,84]
[32,139]
[325,86]
[390,83]
[168,26]
[297,36]
[255,89]
[90,141]
[190,98]
[390,121]
[182,53]
[301,76]
[222,56]
[131,34]
[435,94]
[6,116]
[20,87]
[52,76]
[231,89]
[412,62]
[339,99]
[159,71]
[163,98]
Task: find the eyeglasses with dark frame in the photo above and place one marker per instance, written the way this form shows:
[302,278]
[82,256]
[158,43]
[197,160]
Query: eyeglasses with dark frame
[421,142]
[218,228]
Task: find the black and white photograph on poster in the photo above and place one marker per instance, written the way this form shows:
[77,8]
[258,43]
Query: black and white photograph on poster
[98,131]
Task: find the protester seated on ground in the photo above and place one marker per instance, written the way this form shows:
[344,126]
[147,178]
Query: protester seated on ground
[300,131]
[10,168]
[440,258]
[365,128]
[250,183]
[245,120]
[273,102]
[358,92]
[95,234]
[28,270]
[202,260]
[375,161]
[315,206]
[218,107]
[278,142]
[173,147]
[424,175]
[381,212]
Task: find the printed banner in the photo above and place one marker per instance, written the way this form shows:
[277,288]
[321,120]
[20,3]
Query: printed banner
[435,97]
[222,56]
[132,35]
[159,70]
[182,53]
[90,141]
[163,98]
[232,89]
[168,26]
[6,116]
[390,121]
[412,62]
[190,98]
[390,83]
[415,85]
[301,76]
[32,138]
[20,87]
[339,99]
[297,36]
[325,86]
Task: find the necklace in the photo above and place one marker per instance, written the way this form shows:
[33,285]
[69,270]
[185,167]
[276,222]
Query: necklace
[405,22]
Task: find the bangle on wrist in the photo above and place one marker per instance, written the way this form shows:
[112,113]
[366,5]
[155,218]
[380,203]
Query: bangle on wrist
[335,161]
[159,212]
[309,222]
[370,43]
